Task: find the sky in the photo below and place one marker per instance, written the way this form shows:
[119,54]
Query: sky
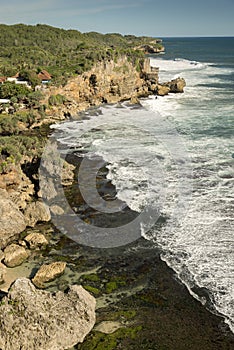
[158,18]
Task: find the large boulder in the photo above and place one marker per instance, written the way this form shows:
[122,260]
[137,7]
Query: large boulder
[36,212]
[14,255]
[48,273]
[12,221]
[32,319]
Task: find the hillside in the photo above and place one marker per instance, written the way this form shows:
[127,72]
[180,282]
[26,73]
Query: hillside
[64,53]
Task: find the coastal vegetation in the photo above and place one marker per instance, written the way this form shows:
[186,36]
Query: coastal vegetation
[64,53]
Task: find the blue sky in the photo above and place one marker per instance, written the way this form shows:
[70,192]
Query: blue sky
[140,17]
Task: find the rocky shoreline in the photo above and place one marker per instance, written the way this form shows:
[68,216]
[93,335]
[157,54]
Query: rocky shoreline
[139,300]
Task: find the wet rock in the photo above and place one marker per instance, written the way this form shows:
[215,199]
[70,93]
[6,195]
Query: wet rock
[48,273]
[32,319]
[14,255]
[36,240]
[12,221]
[36,212]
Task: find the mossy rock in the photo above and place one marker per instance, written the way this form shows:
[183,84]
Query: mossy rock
[100,341]
[91,277]
[93,290]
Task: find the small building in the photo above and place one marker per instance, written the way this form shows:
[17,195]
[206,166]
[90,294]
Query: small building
[44,77]
[14,78]
[4,100]
[18,80]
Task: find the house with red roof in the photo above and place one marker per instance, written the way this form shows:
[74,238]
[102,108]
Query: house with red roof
[44,76]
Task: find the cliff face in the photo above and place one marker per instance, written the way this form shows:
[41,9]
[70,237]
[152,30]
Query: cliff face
[107,82]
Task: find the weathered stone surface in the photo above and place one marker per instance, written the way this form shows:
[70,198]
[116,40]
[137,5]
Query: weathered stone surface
[14,255]
[36,212]
[134,100]
[1,255]
[36,240]
[2,273]
[32,319]
[12,221]
[176,85]
[162,90]
[107,81]
[18,185]
[48,273]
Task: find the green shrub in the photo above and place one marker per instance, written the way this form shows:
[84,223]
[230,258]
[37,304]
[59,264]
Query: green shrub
[56,100]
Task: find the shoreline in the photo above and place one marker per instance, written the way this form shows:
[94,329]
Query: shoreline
[166,314]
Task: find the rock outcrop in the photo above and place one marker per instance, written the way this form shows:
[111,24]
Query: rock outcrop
[175,86]
[48,273]
[32,319]
[36,212]
[18,185]
[12,221]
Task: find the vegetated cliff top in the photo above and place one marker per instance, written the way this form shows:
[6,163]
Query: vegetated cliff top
[61,52]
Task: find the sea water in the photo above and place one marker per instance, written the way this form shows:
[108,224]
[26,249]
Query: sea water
[177,154]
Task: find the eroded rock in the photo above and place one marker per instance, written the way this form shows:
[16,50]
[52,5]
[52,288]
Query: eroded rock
[48,273]
[14,255]
[12,221]
[162,90]
[36,212]
[32,319]
[36,240]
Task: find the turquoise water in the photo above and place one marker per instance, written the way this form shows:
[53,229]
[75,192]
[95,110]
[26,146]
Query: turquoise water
[176,155]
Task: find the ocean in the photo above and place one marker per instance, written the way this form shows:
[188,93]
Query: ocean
[175,156]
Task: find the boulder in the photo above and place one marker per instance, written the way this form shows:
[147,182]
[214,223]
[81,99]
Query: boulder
[176,85]
[36,212]
[14,255]
[48,273]
[36,240]
[163,90]
[12,221]
[32,319]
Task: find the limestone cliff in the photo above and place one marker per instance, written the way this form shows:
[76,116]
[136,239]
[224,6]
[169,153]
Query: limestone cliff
[106,82]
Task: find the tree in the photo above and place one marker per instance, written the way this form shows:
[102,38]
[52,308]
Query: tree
[31,77]
[9,90]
